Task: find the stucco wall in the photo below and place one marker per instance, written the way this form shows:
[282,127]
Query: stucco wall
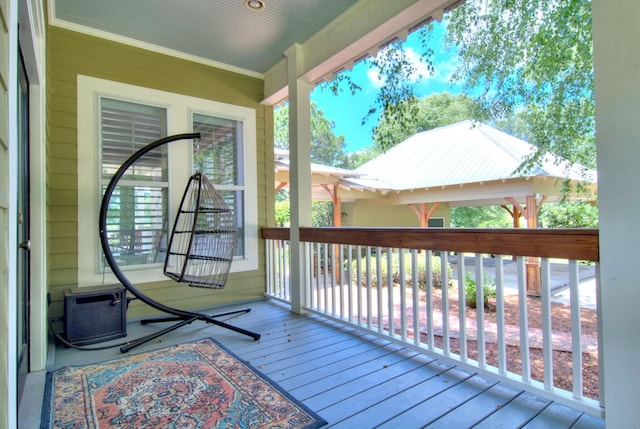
[398,215]
[70,54]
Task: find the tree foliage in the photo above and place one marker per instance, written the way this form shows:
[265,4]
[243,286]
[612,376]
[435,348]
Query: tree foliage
[356,159]
[569,215]
[552,215]
[326,147]
[396,99]
[283,213]
[281,127]
[321,213]
[480,217]
[533,60]
[433,111]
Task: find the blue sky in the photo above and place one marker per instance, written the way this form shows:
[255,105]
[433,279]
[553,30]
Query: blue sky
[347,111]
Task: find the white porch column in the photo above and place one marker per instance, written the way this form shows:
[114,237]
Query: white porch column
[616,49]
[299,172]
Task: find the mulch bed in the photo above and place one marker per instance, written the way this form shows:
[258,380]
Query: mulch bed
[560,323]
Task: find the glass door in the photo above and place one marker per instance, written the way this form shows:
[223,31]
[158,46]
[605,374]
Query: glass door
[24,248]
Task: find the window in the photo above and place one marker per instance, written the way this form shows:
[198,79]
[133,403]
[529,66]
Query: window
[216,155]
[137,218]
[114,121]
[436,222]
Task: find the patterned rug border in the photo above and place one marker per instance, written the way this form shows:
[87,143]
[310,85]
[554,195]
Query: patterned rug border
[47,407]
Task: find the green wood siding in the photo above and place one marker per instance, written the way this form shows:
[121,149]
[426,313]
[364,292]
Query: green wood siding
[70,54]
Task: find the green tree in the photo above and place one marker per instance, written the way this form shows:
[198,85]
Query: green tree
[569,215]
[433,111]
[356,159]
[396,99]
[533,58]
[283,213]
[480,217]
[281,127]
[321,213]
[516,125]
[326,147]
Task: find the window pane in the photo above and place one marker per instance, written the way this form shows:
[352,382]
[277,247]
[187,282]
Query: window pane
[217,155]
[137,224]
[234,201]
[125,129]
[138,209]
[219,149]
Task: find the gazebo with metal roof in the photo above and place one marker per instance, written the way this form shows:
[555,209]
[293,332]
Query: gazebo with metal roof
[464,165]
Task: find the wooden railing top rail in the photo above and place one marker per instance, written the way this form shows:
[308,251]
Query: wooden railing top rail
[578,244]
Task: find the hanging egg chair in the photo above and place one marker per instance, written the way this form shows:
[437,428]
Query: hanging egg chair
[203,237]
[200,250]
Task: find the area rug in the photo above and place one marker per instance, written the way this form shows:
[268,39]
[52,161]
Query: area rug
[199,384]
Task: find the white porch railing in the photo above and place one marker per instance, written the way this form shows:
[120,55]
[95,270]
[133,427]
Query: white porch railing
[406,302]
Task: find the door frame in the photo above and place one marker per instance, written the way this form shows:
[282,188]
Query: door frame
[31,19]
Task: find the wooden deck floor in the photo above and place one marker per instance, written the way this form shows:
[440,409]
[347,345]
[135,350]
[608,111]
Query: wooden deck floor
[356,380]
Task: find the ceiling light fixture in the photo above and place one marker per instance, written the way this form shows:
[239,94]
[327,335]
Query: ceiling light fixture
[254,5]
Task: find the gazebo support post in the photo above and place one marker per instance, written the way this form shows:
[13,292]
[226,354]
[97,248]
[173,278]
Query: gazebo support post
[424,213]
[515,215]
[530,211]
[337,222]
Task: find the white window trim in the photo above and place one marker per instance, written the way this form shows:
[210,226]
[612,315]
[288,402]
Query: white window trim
[179,109]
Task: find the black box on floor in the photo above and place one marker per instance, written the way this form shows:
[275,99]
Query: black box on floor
[95,314]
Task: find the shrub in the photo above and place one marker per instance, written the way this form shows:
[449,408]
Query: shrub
[488,286]
[395,267]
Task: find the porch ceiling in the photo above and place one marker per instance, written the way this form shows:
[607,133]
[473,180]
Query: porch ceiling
[333,34]
[223,31]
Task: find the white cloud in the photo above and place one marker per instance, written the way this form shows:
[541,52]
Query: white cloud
[374,79]
[445,69]
[420,66]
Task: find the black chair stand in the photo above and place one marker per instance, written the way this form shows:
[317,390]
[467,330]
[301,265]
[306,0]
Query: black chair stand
[215,280]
